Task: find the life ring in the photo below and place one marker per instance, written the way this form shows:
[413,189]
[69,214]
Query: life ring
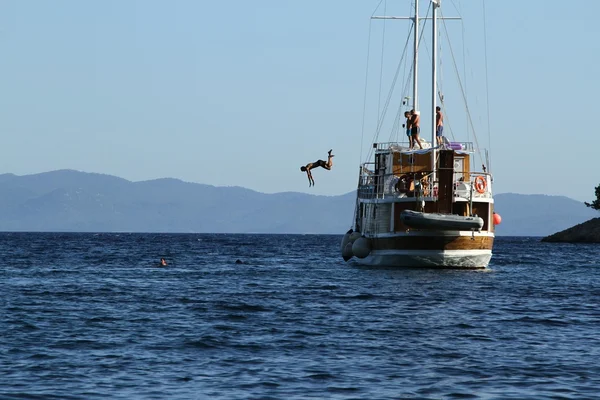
[480,184]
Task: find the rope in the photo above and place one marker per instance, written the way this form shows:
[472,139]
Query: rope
[362,133]
[464,68]
[381,64]
[385,108]
[405,89]
[387,102]
[462,91]
[487,89]
[462,25]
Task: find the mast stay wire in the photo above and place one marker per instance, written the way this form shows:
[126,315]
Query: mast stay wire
[381,64]
[387,102]
[390,93]
[487,88]
[439,92]
[464,60]
[405,89]
[462,90]
[362,133]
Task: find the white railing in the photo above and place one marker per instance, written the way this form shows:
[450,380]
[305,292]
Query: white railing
[404,146]
[418,184]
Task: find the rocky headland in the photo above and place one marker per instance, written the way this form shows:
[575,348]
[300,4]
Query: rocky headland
[586,232]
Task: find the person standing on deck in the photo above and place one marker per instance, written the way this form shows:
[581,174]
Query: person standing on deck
[415,122]
[408,116]
[439,126]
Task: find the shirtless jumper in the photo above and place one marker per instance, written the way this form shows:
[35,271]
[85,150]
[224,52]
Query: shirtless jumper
[319,163]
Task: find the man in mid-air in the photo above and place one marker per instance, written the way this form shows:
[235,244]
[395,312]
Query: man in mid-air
[319,163]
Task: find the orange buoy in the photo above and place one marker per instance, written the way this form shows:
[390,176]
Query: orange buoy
[497,219]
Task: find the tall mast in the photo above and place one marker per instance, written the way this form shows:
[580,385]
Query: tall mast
[436,5]
[416,55]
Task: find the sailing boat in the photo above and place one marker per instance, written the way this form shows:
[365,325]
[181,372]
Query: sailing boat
[423,207]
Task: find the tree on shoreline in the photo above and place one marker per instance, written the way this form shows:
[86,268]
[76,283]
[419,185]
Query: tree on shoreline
[596,203]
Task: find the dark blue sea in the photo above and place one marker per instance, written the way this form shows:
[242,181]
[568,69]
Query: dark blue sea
[90,316]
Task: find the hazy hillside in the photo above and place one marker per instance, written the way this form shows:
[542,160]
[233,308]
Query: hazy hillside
[69,200]
[75,201]
[538,214]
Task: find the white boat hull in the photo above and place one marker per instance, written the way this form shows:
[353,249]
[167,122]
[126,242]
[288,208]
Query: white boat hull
[468,259]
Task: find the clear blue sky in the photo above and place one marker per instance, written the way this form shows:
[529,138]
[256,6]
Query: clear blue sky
[244,92]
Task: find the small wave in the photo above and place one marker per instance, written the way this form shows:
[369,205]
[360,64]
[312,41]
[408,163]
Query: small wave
[206,342]
[243,307]
[462,396]
[82,344]
[26,326]
[322,376]
[462,325]
[302,333]
[362,296]
[96,320]
[235,317]
[224,328]
[541,321]
[41,356]
[337,389]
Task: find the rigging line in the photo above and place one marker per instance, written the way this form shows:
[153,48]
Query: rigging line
[396,125]
[462,90]
[462,27]
[406,88]
[390,93]
[465,69]
[362,133]
[396,77]
[447,122]
[455,8]
[421,38]
[398,70]
[439,91]
[381,65]
[487,88]
[411,30]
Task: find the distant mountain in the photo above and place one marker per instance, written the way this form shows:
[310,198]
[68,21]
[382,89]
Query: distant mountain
[538,214]
[68,200]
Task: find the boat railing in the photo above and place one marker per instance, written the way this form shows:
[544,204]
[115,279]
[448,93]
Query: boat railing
[466,185]
[405,146]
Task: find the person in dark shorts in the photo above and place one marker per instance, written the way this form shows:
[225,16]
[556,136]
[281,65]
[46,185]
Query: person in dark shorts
[319,163]
[415,122]
[408,117]
[439,126]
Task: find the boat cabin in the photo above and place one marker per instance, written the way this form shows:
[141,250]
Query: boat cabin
[404,179]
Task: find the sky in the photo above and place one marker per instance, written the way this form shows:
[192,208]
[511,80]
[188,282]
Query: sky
[242,93]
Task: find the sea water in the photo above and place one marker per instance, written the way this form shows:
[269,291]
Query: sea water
[89,316]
